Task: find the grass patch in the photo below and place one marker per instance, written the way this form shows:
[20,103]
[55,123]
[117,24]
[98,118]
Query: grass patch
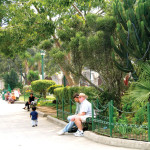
[49,97]
[21,98]
[46,103]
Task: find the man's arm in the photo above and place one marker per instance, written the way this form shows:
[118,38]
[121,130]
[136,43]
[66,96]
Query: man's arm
[81,114]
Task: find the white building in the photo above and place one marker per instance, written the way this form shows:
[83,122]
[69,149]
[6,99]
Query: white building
[91,75]
[1,84]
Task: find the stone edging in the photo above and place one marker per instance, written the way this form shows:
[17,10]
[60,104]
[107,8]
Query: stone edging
[56,121]
[107,140]
[19,102]
[41,114]
[117,142]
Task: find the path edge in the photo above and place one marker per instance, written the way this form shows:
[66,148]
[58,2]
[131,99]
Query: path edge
[124,143]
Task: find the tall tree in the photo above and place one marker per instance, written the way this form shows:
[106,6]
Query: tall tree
[11,78]
[28,26]
[132,40]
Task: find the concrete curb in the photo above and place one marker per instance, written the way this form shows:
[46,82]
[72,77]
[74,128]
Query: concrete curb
[41,114]
[19,102]
[107,140]
[117,142]
[56,121]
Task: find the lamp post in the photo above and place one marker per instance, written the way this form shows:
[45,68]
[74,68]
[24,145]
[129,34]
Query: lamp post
[42,54]
[64,81]
[21,71]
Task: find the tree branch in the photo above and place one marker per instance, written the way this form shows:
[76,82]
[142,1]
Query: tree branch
[92,84]
[80,13]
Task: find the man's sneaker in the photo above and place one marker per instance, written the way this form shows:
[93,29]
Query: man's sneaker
[79,133]
[61,132]
[33,126]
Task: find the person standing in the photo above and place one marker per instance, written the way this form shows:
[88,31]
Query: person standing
[69,126]
[34,117]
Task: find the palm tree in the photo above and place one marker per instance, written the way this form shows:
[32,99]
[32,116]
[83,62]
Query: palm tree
[139,91]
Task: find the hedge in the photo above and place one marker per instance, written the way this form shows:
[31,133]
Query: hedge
[68,92]
[41,86]
[53,87]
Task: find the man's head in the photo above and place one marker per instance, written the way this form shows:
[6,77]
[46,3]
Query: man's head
[82,97]
[76,97]
[31,94]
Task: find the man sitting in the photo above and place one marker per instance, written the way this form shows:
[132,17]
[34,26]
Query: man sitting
[69,126]
[31,99]
[85,112]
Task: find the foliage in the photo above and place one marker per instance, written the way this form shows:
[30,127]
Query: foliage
[139,91]
[106,96]
[68,92]
[53,87]
[127,105]
[20,86]
[138,131]
[46,103]
[32,76]
[27,88]
[11,78]
[41,86]
[140,116]
[131,42]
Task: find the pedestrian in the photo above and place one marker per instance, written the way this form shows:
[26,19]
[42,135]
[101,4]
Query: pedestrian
[71,124]
[31,99]
[34,117]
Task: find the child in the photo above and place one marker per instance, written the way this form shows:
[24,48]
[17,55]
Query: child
[34,117]
[12,99]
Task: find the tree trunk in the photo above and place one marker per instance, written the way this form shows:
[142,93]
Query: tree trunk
[26,66]
[67,75]
[39,67]
[44,94]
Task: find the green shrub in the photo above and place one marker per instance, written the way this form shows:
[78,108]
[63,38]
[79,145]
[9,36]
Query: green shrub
[53,87]
[27,89]
[41,86]
[46,103]
[20,86]
[68,92]
[138,131]
[11,78]
[106,96]
[32,76]
[140,117]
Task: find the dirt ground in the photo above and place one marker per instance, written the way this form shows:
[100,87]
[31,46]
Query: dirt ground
[47,110]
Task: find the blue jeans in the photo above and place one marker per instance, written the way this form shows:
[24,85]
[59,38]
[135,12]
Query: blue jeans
[70,124]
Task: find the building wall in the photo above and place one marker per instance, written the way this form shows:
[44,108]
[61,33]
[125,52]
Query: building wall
[1,84]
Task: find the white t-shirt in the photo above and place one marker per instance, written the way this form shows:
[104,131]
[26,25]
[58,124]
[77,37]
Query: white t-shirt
[86,107]
[77,108]
[16,93]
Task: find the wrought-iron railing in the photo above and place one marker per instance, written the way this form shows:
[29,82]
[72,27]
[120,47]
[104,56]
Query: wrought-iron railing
[103,122]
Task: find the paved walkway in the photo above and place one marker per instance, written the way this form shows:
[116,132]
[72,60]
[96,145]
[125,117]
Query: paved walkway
[16,133]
